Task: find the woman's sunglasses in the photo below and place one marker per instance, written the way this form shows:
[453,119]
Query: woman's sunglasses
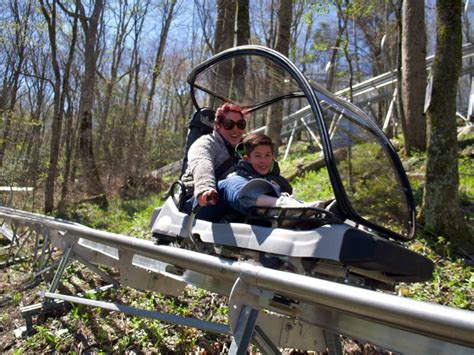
[229,124]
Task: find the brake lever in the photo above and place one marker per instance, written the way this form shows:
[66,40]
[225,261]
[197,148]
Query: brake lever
[191,218]
[213,197]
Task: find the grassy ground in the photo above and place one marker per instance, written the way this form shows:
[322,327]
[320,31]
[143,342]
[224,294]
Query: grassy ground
[97,331]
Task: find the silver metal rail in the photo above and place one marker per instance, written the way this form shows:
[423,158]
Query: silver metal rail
[373,84]
[311,305]
[371,88]
[390,77]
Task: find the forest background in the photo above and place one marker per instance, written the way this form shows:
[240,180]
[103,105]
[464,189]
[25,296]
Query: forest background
[93,97]
[94,94]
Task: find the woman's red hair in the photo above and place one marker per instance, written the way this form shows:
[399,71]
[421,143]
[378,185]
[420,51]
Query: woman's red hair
[225,109]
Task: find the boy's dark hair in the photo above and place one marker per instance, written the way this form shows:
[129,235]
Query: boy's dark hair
[254,139]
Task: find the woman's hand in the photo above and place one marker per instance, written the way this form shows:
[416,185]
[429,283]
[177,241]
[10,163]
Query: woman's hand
[209,197]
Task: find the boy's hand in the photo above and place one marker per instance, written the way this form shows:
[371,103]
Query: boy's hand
[209,197]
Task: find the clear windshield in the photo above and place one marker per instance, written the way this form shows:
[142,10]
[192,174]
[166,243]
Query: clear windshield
[371,175]
[368,174]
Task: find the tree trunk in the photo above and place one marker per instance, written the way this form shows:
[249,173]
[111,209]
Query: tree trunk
[205,18]
[309,31]
[133,84]
[413,75]
[401,112]
[69,144]
[441,207]
[275,116]
[331,72]
[268,22]
[224,35]
[61,86]
[242,38]
[168,13]
[224,38]
[125,12]
[342,23]
[90,26]
[137,102]
[35,141]
[50,17]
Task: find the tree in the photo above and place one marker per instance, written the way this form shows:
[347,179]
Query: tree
[242,38]
[275,116]
[224,34]
[168,13]
[232,29]
[13,68]
[378,21]
[90,27]
[333,57]
[344,10]
[61,82]
[205,15]
[69,141]
[413,75]
[266,20]
[302,22]
[224,38]
[38,92]
[243,26]
[441,208]
[132,88]
[124,15]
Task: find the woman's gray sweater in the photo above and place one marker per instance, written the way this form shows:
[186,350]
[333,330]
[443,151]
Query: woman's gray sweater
[205,156]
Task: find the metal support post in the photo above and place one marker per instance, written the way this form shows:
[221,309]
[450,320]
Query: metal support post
[13,240]
[334,125]
[61,267]
[35,252]
[243,314]
[470,114]
[46,269]
[20,246]
[34,310]
[42,261]
[311,133]
[263,342]
[244,330]
[390,110]
[43,258]
[95,269]
[290,140]
[333,341]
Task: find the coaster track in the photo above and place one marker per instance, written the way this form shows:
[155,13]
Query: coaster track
[270,308]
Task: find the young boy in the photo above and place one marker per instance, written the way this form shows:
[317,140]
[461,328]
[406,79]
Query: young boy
[257,180]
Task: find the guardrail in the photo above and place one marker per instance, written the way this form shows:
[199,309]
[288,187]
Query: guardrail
[375,83]
[311,310]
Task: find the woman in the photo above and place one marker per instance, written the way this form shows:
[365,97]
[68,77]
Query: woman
[212,157]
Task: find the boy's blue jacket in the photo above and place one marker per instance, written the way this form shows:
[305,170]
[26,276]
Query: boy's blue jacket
[245,170]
